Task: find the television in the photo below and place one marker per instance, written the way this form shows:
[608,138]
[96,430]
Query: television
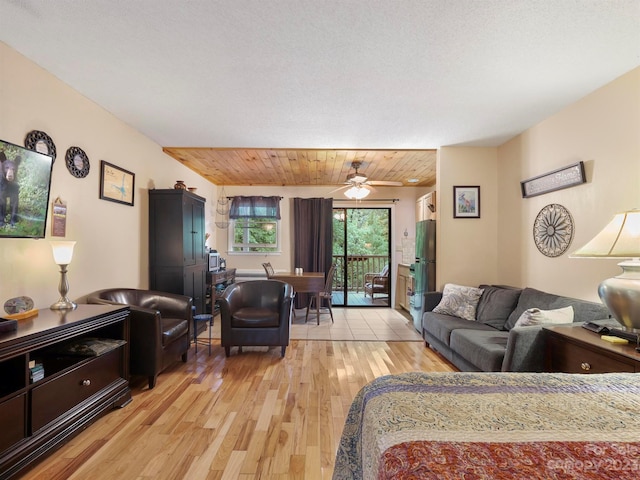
[25,185]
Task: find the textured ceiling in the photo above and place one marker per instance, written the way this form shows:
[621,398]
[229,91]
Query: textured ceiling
[328,74]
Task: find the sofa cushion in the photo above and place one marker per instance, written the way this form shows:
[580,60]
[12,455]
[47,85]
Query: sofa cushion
[531,298]
[482,348]
[459,301]
[496,304]
[173,328]
[535,316]
[440,326]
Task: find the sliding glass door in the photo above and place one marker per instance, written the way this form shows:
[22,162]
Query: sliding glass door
[362,252]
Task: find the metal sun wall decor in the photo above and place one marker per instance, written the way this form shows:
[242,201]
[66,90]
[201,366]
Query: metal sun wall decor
[553,230]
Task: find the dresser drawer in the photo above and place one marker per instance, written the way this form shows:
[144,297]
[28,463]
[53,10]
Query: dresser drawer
[12,421]
[569,357]
[57,396]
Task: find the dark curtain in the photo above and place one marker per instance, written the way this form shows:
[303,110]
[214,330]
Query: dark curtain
[312,237]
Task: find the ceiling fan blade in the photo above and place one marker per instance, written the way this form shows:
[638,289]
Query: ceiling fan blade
[386,183]
[341,188]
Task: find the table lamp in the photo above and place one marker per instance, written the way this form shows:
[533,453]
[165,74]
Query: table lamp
[62,255]
[620,239]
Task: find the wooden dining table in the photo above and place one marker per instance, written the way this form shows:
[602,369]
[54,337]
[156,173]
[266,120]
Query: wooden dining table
[306,282]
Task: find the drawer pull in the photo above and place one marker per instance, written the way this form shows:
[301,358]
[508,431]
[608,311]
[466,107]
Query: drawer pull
[86,383]
[585,366]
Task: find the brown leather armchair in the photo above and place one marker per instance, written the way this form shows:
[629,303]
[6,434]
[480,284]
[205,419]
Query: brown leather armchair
[377,282]
[256,313]
[160,327]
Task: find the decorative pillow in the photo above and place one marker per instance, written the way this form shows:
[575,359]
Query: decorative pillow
[535,316]
[459,301]
[496,304]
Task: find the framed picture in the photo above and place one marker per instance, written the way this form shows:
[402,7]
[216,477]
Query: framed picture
[466,202]
[116,184]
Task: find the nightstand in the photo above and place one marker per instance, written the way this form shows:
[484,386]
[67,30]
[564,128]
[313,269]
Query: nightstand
[573,349]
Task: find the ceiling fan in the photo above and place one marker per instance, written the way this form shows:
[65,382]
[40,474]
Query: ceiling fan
[359,186]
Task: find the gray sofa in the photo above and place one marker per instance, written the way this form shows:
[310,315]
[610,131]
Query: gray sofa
[491,343]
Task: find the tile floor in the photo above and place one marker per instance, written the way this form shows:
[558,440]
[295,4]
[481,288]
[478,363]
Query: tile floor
[373,324]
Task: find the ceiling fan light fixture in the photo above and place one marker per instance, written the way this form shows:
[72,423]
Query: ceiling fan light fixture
[357,192]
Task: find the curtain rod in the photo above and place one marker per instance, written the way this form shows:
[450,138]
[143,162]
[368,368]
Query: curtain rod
[231,198]
[394,200]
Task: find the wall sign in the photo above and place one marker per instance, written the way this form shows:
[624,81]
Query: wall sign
[558,179]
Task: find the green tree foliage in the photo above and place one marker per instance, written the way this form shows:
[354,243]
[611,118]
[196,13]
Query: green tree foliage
[256,235]
[367,235]
[367,232]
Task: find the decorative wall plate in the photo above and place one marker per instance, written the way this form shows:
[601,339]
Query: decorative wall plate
[77,162]
[40,142]
[553,230]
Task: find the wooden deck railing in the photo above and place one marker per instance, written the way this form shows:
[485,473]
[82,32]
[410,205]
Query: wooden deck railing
[356,267]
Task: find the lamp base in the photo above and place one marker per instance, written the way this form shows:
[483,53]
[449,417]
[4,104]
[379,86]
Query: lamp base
[63,304]
[621,295]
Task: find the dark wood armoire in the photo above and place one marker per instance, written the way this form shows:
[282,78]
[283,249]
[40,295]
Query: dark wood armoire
[177,253]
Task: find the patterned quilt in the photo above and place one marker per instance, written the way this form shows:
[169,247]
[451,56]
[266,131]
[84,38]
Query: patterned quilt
[493,426]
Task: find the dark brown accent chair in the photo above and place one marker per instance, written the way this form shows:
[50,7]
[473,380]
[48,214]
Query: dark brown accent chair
[325,295]
[377,282]
[160,327]
[256,313]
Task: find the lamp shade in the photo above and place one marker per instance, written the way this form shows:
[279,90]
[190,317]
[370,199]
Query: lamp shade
[357,192]
[62,252]
[619,239]
[621,294]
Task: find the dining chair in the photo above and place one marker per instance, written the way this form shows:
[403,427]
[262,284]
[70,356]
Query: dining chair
[269,269]
[325,295]
[270,272]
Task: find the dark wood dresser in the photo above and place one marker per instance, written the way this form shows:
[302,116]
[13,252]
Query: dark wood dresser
[573,349]
[48,392]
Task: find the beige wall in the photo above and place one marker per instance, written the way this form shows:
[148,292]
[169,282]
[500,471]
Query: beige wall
[603,130]
[112,238]
[466,248]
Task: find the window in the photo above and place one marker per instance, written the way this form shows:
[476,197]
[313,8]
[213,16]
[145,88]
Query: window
[254,235]
[254,224]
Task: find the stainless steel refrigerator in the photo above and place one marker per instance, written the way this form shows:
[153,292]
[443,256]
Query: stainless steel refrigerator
[424,269]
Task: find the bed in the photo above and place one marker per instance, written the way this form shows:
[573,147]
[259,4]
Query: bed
[493,426]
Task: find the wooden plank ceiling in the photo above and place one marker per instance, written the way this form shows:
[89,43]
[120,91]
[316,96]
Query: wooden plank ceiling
[285,167]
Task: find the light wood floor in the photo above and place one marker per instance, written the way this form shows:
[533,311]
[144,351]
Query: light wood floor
[249,416]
